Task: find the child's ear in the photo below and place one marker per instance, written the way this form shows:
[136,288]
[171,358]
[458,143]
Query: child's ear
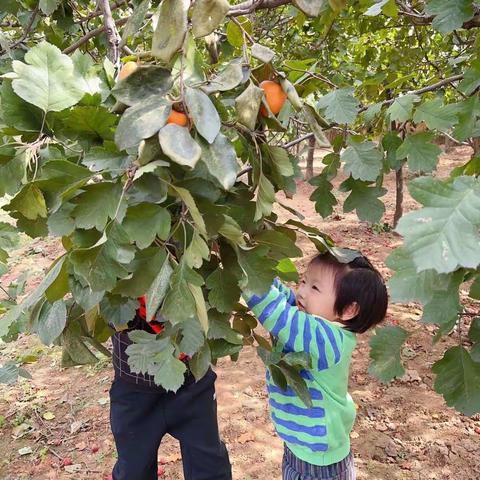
[350,311]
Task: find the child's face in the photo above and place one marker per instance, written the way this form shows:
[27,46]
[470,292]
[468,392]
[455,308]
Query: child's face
[316,293]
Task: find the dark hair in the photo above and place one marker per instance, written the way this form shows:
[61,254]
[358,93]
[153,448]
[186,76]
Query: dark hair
[357,282]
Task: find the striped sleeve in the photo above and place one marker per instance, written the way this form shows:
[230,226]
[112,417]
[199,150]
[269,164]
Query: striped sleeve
[288,292]
[297,330]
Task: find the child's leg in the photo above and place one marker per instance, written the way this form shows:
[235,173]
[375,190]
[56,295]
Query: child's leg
[295,469]
[138,425]
[192,419]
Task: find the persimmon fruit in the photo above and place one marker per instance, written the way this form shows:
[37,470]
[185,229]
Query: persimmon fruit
[179,118]
[274,95]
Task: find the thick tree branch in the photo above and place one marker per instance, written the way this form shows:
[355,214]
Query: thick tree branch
[250,6]
[113,37]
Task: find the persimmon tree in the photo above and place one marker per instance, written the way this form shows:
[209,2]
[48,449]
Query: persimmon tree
[149,139]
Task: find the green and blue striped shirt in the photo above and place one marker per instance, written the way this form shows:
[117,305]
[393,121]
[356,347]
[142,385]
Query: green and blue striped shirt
[319,435]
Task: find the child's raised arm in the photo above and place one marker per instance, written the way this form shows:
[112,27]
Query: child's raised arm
[297,330]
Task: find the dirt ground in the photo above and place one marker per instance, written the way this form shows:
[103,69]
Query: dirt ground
[403,431]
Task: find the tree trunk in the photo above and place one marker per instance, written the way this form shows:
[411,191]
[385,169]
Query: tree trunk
[398,196]
[310,155]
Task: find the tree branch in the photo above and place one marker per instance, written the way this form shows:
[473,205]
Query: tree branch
[250,6]
[27,28]
[113,38]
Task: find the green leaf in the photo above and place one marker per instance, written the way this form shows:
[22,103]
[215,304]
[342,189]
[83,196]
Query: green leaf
[458,380]
[312,118]
[171,29]
[188,200]
[265,197]
[401,109]
[279,159]
[259,270]
[287,271]
[118,310]
[279,244]
[364,199]
[145,82]
[84,295]
[104,262]
[229,78]
[193,337]
[48,6]
[475,289]
[110,159]
[312,8]
[143,120]
[420,153]
[96,122]
[340,105]
[207,16]
[322,196]
[203,113]
[248,104]
[220,328]
[30,202]
[75,350]
[221,348]
[178,145]
[262,53]
[385,348]
[97,203]
[9,373]
[468,113]
[436,115]
[158,289]
[234,32]
[47,79]
[223,291]
[179,305]
[135,21]
[51,321]
[221,160]
[200,306]
[143,222]
[444,235]
[296,382]
[17,113]
[200,363]
[449,14]
[12,172]
[390,143]
[362,160]
[197,251]
[231,229]
[144,267]
[471,78]
[474,331]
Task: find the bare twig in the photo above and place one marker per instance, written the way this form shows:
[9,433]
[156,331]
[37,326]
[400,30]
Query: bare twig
[98,12]
[27,28]
[250,6]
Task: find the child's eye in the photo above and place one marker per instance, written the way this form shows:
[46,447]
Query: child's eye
[302,281]
[315,288]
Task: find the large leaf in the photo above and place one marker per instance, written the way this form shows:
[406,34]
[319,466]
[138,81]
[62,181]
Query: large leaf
[143,83]
[203,113]
[280,243]
[258,269]
[322,196]
[158,289]
[468,113]
[171,29]
[471,78]
[223,290]
[364,199]
[458,380]
[12,171]
[436,115]
[143,222]
[229,78]
[135,21]
[401,109]
[340,105]
[189,201]
[47,79]
[221,160]
[362,160]
[109,159]
[98,203]
[143,120]
[449,14]
[420,152]
[312,118]
[444,235]
[178,145]
[100,265]
[30,202]
[193,337]
[48,6]
[87,121]
[265,197]
[207,15]
[197,251]
[18,113]
[385,350]
[51,321]
[248,104]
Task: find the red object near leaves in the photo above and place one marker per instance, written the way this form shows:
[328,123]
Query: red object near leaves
[67,461]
